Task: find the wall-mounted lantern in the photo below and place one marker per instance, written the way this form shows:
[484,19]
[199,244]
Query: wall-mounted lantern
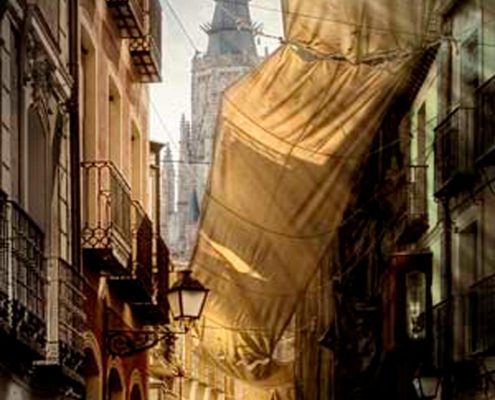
[427,383]
[407,303]
[187,297]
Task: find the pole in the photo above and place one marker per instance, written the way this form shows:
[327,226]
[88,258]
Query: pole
[447,390]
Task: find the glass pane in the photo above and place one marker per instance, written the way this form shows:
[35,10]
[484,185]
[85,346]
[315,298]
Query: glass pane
[416,304]
[429,385]
[174,302]
[193,301]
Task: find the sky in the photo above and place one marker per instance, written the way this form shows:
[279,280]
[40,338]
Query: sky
[171,98]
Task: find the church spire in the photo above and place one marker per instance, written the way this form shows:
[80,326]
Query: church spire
[231,31]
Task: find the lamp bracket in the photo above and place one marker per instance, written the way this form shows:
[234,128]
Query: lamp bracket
[126,343]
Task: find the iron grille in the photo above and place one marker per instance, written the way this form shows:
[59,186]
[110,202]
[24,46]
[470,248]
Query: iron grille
[482,314]
[22,275]
[66,294]
[27,259]
[485,138]
[4,263]
[453,147]
[146,50]
[128,16]
[107,206]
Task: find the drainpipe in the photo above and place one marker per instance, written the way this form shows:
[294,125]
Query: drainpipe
[73,110]
[447,390]
[75,158]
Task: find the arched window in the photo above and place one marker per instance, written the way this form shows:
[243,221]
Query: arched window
[91,376]
[37,171]
[115,386]
[136,393]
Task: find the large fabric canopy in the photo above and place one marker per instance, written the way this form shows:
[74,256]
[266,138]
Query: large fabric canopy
[291,138]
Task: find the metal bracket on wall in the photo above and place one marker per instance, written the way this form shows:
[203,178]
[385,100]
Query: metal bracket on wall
[126,343]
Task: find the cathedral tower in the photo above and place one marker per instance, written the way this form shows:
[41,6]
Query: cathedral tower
[231,53]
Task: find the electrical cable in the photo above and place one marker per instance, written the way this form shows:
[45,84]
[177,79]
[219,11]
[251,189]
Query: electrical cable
[181,25]
[340,22]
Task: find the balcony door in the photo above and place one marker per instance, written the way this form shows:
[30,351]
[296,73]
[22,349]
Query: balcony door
[38,183]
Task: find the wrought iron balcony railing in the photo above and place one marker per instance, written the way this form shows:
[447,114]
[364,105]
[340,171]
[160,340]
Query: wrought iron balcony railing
[415,200]
[482,315]
[66,322]
[485,137]
[106,228]
[136,286]
[439,328]
[22,277]
[128,16]
[454,150]
[146,49]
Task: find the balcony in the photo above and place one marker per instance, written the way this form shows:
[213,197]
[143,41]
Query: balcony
[156,312]
[415,198]
[146,50]
[128,16]
[485,138]
[454,152]
[136,287]
[22,278]
[482,316]
[66,323]
[106,228]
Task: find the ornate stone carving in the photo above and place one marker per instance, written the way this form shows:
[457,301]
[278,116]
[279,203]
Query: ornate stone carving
[39,77]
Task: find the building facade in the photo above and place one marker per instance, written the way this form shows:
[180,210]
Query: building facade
[409,279]
[41,304]
[124,257]
[83,268]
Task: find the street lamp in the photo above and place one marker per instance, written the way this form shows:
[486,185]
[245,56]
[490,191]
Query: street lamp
[426,383]
[187,297]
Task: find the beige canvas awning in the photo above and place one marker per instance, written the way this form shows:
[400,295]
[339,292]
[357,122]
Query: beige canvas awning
[291,139]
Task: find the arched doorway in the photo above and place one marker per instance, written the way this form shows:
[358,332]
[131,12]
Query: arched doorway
[115,386]
[91,375]
[136,393]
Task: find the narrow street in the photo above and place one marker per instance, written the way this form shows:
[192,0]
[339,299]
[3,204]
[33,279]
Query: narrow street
[247,199]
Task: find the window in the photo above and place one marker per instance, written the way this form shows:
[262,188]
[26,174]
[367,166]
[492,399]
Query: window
[469,268]
[15,89]
[469,69]
[418,174]
[114,126]
[137,163]
[38,182]
[421,140]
